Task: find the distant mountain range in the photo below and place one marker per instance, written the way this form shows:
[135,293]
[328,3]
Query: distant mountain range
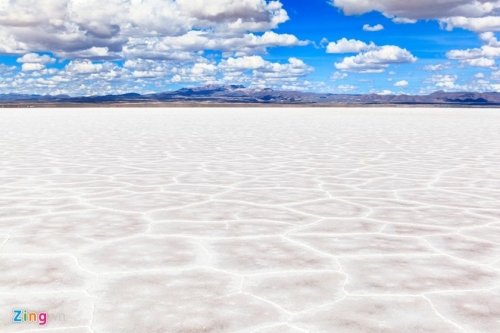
[239,94]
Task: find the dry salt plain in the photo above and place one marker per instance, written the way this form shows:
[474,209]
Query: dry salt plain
[250,220]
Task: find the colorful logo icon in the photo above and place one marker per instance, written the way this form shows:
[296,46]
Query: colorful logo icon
[23,316]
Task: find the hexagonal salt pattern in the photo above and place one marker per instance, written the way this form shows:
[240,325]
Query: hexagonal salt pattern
[250,220]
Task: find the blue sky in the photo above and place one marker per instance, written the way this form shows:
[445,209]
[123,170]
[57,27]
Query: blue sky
[92,47]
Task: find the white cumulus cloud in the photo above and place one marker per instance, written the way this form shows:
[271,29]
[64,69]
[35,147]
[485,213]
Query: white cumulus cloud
[243,63]
[479,62]
[83,67]
[339,76]
[377,27]
[478,57]
[34,62]
[438,67]
[443,81]
[266,69]
[151,29]
[349,46]
[402,83]
[475,15]
[36,59]
[377,60]
[30,67]
[476,24]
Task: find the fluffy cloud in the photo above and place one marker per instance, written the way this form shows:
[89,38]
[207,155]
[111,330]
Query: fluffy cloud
[475,15]
[262,69]
[402,20]
[84,67]
[181,47]
[94,29]
[476,24]
[478,57]
[377,60]
[479,62]
[4,69]
[198,72]
[31,67]
[489,39]
[35,58]
[87,77]
[338,76]
[346,88]
[375,28]
[449,83]
[275,71]
[438,67]
[349,46]
[402,83]
[443,81]
[243,63]
[245,15]
[484,51]
[249,70]
[423,9]
[371,58]
[34,62]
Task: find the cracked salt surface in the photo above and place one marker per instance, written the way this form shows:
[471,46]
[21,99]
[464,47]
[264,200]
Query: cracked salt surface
[251,220]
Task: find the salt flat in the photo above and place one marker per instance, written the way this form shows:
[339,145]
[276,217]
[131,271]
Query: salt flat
[250,220]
